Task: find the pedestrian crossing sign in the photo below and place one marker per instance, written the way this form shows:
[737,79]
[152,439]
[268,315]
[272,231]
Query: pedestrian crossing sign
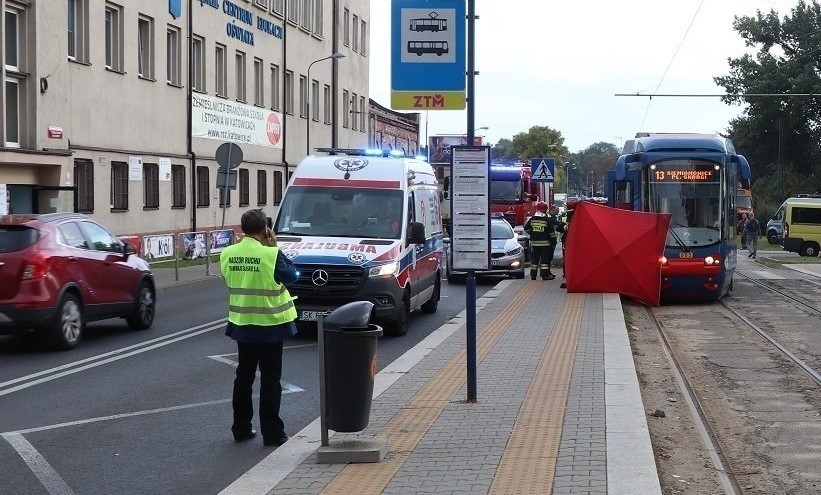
[542,169]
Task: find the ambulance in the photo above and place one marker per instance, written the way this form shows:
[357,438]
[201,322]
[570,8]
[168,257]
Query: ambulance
[363,225]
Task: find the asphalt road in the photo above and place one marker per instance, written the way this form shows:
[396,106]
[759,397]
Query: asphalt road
[149,412]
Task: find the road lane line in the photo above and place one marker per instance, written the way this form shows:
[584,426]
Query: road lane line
[94,364]
[53,483]
[287,388]
[110,353]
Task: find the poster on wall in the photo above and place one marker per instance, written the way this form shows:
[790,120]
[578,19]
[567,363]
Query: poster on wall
[135,168]
[220,239]
[4,200]
[164,165]
[193,245]
[225,120]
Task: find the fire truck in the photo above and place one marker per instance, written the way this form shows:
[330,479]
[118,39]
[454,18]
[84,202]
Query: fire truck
[512,193]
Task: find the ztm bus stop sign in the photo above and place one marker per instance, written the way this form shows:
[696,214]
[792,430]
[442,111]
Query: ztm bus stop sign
[228,155]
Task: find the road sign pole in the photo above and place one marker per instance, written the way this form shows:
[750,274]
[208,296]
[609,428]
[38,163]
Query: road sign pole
[470,280]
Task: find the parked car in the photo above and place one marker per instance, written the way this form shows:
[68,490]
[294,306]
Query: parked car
[61,270]
[507,256]
[775,230]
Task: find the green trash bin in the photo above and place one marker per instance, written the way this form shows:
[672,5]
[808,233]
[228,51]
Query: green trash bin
[350,365]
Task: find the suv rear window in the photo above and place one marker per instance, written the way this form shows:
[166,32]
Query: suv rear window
[17,238]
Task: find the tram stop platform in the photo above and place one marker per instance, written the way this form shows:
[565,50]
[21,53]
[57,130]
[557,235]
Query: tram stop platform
[559,409]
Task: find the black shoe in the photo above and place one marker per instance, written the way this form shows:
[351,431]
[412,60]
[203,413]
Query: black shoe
[533,277]
[549,277]
[276,441]
[564,285]
[247,436]
[750,255]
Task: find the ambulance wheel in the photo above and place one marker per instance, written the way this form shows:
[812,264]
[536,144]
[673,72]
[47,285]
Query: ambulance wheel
[399,326]
[432,304]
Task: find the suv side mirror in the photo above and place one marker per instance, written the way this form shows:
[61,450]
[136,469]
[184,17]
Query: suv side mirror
[128,250]
[417,233]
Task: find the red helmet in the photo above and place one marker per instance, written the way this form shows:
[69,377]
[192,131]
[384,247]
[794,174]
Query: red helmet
[541,206]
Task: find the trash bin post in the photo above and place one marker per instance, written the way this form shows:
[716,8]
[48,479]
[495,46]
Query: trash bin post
[349,356]
[323,410]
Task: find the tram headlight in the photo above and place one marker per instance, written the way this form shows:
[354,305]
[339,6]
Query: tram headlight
[712,260]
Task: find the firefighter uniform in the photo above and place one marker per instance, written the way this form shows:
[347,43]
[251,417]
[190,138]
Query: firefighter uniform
[540,230]
[555,227]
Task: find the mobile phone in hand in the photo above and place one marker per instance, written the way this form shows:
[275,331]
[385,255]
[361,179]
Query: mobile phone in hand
[270,222]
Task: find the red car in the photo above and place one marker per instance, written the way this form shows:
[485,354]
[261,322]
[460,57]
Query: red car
[60,270]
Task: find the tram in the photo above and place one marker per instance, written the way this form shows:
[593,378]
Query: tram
[694,178]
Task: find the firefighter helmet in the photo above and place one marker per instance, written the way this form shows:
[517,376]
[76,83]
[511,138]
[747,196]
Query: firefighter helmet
[541,206]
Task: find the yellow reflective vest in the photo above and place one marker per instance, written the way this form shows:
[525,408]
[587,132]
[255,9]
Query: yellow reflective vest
[254,296]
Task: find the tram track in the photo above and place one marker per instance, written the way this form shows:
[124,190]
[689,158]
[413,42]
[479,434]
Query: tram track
[731,381]
[709,438]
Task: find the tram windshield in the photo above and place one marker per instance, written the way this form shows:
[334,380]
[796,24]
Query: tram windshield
[690,190]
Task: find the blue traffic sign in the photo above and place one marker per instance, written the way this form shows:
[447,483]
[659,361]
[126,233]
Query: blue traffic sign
[542,169]
[428,54]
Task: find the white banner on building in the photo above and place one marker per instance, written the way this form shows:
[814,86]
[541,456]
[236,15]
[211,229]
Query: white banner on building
[135,168]
[216,118]
[165,168]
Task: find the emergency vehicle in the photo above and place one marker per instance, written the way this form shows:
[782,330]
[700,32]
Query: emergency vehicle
[363,225]
[512,193]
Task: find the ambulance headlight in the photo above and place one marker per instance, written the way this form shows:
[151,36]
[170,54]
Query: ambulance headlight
[386,270]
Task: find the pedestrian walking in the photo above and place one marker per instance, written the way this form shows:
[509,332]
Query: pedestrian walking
[740,230]
[261,316]
[539,228]
[752,229]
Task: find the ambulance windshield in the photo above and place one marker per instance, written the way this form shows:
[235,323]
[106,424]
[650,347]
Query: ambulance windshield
[338,212]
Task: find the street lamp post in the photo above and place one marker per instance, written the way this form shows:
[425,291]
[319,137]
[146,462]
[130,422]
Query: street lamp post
[308,97]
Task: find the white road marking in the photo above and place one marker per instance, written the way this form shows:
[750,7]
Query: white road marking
[766,275]
[116,355]
[53,483]
[287,388]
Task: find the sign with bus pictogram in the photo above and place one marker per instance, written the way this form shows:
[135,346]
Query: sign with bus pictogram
[428,53]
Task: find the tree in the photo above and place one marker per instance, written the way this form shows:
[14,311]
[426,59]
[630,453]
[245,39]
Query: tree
[539,142]
[500,152]
[779,135]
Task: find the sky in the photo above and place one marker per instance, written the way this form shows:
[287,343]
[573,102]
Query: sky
[561,63]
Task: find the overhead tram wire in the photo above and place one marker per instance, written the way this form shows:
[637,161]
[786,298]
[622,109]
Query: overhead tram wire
[670,64]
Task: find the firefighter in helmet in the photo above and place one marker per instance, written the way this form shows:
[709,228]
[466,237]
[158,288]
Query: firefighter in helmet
[540,229]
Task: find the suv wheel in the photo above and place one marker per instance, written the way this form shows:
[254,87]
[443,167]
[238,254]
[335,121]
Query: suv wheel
[772,237]
[143,315]
[809,249]
[67,327]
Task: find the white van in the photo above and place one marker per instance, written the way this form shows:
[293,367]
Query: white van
[360,226]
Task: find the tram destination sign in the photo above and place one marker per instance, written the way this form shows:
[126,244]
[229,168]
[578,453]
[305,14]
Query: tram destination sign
[685,172]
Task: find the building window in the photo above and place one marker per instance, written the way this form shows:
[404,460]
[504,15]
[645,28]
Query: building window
[173,61]
[263,4]
[315,100]
[119,186]
[203,185]
[277,187]
[244,187]
[78,30]
[240,82]
[305,15]
[178,186]
[346,28]
[355,33]
[198,63]
[275,88]
[293,11]
[318,24]
[363,38]
[289,92]
[220,71]
[12,107]
[354,113]
[151,185]
[326,110]
[259,85]
[303,96]
[277,7]
[362,114]
[13,38]
[113,37]
[346,109]
[84,180]
[262,187]
[145,47]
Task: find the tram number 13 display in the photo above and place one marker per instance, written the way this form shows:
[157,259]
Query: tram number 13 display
[684,175]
